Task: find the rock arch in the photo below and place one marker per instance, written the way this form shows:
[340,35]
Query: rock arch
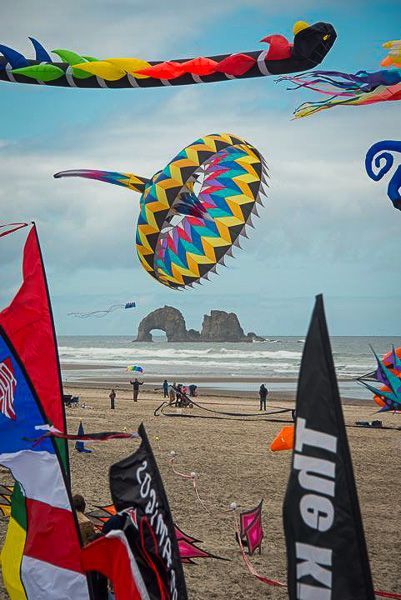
[169,320]
[220,326]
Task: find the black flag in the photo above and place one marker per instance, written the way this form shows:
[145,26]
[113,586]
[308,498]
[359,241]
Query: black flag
[137,490]
[326,549]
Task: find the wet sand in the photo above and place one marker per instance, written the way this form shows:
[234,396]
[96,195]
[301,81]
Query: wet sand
[232,459]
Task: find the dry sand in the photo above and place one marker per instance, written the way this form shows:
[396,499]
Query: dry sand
[232,460]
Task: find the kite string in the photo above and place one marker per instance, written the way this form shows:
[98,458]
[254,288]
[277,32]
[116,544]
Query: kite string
[192,477]
[251,569]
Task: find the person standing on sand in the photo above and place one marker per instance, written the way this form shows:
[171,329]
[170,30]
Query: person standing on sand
[172,394]
[112,397]
[135,388]
[263,391]
[165,388]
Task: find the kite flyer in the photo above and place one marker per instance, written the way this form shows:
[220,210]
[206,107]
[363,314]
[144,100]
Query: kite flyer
[135,388]
[263,391]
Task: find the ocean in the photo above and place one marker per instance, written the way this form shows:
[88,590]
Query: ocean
[240,366]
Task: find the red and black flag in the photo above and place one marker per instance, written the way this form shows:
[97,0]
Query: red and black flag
[146,542]
[326,549]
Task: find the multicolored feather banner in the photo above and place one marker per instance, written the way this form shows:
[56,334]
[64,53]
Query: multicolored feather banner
[40,557]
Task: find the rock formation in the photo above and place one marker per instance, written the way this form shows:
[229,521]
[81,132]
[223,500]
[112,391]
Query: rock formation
[168,319]
[220,326]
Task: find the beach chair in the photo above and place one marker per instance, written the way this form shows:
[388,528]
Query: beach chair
[70,400]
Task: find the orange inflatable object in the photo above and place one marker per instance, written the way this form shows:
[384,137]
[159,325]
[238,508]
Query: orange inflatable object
[284,439]
[378,399]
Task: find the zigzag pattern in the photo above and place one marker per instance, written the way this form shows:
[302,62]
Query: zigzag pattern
[233,173]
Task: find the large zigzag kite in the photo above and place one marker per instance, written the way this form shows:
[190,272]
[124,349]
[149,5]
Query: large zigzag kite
[195,209]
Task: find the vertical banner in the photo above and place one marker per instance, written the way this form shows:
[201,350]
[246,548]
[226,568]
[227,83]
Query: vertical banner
[137,489]
[40,559]
[326,549]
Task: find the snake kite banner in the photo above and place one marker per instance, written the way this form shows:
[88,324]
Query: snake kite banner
[310,46]
[223,176]
[326,548]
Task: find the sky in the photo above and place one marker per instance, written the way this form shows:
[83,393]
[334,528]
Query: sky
[326,227]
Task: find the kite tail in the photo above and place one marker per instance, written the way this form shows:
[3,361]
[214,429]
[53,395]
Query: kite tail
[310,108]
[133,182]
[362,81]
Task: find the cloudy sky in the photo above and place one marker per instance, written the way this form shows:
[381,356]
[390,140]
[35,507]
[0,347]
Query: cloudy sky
[326,226]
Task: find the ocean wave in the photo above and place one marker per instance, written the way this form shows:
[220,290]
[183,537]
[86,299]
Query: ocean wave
[137,353]
[202,366]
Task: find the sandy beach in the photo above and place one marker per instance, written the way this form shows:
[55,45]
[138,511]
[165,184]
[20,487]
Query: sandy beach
[232,459]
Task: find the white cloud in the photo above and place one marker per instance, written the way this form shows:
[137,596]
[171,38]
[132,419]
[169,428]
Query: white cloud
[123,27]
[326,226]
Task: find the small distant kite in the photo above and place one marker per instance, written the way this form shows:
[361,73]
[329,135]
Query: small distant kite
[135,369]
[194,211]
[347,89]
[311,44]
[102,313]
[388,373]
[379,161]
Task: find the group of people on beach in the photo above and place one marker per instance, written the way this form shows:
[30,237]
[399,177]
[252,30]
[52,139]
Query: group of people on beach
[176,393]
[179,394]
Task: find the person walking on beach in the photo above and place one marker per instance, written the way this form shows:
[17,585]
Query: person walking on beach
[135,388]
[165,388]
[263,391]
[112,397]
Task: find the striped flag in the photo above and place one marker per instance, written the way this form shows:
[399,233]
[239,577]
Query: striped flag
[40,559]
